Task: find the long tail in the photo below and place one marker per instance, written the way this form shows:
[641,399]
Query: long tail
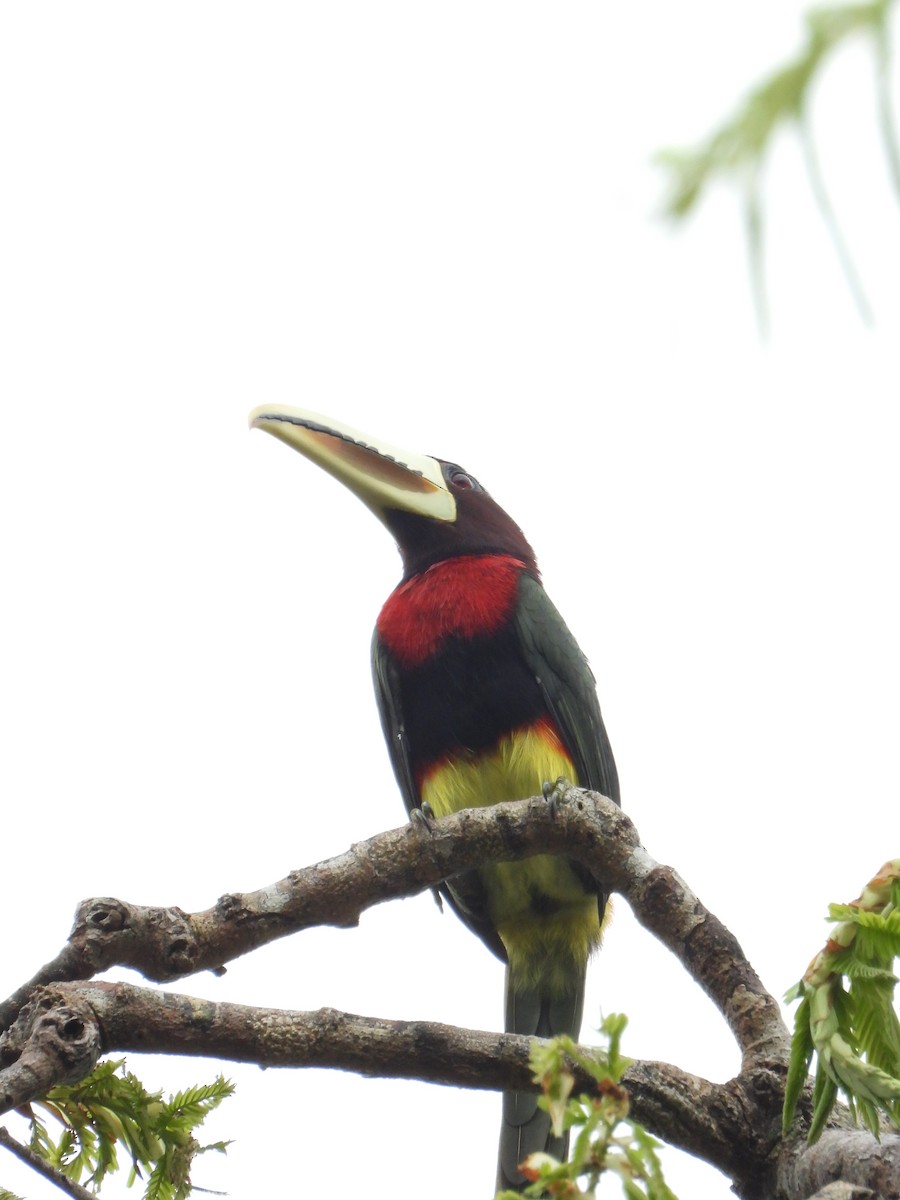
[525,1128]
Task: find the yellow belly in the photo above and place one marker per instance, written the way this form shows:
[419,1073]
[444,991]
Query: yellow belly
[545,915]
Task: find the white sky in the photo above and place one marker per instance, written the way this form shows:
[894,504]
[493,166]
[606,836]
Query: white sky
[436,223]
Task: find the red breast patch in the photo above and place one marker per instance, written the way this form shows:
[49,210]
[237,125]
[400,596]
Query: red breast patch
[469,596]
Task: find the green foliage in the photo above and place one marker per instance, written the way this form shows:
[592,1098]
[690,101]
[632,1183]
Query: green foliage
[111,1110]
[605,1141]
[5,1195]
[846,1016]
[736,152]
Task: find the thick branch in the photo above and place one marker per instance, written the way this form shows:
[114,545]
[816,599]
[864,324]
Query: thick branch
[848,1155]
[52,1042]
[724,1124]
[736,1126]
[680,1107]
[167,944]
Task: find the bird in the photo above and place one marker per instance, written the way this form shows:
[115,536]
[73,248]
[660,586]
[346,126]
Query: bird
[484,696]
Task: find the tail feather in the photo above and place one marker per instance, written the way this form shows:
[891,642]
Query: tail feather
[525,1128]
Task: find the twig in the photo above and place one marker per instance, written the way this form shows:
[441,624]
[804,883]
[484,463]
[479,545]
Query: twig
[53,1174]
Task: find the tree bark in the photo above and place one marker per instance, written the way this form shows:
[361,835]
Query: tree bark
[56,1024]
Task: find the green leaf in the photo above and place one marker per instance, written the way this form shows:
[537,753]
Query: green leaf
[798,1068]
[737,151]
[111,1110]
[847,1017]
[824,1097]
[606,1141]
[877,1026]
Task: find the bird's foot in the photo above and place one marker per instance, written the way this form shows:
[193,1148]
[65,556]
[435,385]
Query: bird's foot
[423,817]
[555,793]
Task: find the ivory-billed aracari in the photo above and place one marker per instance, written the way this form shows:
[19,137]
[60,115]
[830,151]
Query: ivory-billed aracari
[484,696]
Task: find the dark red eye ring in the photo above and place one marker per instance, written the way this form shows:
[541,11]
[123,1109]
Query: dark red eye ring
[462,481]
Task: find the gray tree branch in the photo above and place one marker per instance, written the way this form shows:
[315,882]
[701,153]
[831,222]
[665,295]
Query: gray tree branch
[687,1110]
[25,1155]
[57,1023]
[165,944]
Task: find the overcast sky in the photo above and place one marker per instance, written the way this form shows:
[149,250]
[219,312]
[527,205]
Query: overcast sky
[438,223]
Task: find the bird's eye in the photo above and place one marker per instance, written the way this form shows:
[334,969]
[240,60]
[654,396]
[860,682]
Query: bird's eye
[461,480]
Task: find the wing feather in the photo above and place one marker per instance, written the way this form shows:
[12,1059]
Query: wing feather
[466,895]
[568,686]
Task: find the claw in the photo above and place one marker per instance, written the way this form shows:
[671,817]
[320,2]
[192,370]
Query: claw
[555,793]
[422,817]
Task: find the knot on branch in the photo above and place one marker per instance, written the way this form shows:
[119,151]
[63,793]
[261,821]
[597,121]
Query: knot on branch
[158,942]
[231,907]
[54,1040]
[849,1161]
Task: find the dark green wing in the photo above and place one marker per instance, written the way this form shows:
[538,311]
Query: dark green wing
[466,896]
[568,686]
[387,694]
[569,691]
